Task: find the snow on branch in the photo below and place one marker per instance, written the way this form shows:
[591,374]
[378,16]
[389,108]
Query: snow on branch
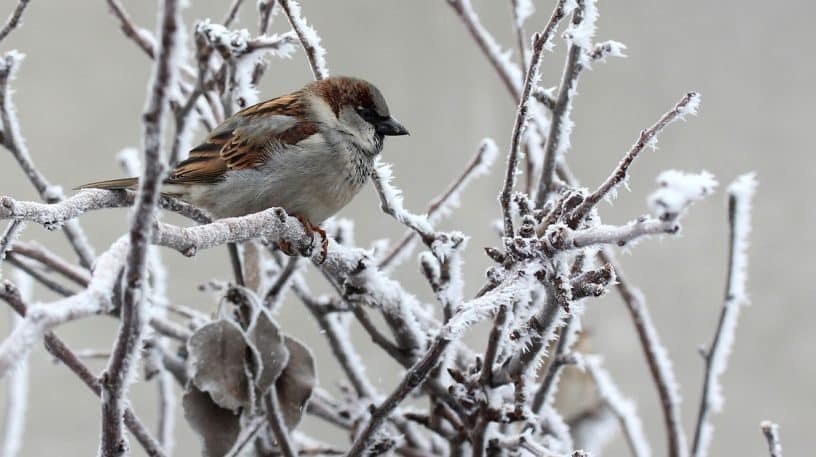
[648,137]
[740,193]
[247,383]
[12,139]
[771,432]
[308,37]
[622,407]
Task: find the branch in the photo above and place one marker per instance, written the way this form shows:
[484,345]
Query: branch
[687,105]
[129,341]
[308,37]
[54,345]
[558,140]
[657,357]
[95,299]
[740,193]
[771,432]
[622,407]
[14,19]
[12,139]
[17,389]
[540,41]
[55,215]
[275,420]
[416,374]
[442,204]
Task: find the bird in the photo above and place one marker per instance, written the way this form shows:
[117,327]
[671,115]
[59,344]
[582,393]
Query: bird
[308,152]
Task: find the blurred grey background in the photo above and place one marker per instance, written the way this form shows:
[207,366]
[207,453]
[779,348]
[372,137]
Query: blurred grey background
[80,92]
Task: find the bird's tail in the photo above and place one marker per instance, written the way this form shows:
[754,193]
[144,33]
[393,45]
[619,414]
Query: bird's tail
[113,184]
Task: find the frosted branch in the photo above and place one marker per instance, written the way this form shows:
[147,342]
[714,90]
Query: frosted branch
[622,407]
[126,351]
[12,139]
[55,346]
[308,37]
[443,204]
[740,193]
[771,432]
[687,105]
[540,42]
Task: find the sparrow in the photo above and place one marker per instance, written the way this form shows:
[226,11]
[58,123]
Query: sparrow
[309,152]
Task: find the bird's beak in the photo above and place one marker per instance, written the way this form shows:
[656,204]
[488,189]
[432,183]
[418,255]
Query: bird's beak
[390,127]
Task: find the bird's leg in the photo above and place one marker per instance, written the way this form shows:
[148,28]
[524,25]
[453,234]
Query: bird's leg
[311,229]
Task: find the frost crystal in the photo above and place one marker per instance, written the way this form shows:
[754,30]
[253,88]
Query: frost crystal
[678,190]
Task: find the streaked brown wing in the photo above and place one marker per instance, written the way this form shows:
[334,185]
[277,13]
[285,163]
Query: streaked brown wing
[243,140]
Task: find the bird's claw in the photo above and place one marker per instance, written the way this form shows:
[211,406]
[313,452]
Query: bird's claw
[311,230]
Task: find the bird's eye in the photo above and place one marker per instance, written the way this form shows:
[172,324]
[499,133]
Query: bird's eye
[367,113]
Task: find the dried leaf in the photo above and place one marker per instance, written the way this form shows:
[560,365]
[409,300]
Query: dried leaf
[218,428]
[270,347]
[217,352]
[294,386]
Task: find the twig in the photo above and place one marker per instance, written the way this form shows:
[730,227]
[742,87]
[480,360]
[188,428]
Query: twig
[51,260]
[14,19]
[560,125]
[687,105]
[771,432]
[141,37]
[493,343]
[39,276]
[416,374]
[557,362]
[9,236]
[17,391]
[54,345]
[508,71]
[540,41]
[12,139]
[623,408]
[95,299]
[233,12]
[656,356]
[440,206]
[275,420]
[308,37]
[716,357]
[128,343]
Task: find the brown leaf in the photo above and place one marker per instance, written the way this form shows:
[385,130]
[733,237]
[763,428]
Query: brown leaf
[217,428]
[217,352]
[294,386]
[270,347]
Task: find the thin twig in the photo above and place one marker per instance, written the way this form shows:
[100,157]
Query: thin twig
[540,41]
[14,19]
[12,139]
[232,14]
[771,432]
[275,420]
[308,37]
[416,374]
[686,105]
[656,356]
[440,205]
[561,125]
[54,345]
[716,357]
